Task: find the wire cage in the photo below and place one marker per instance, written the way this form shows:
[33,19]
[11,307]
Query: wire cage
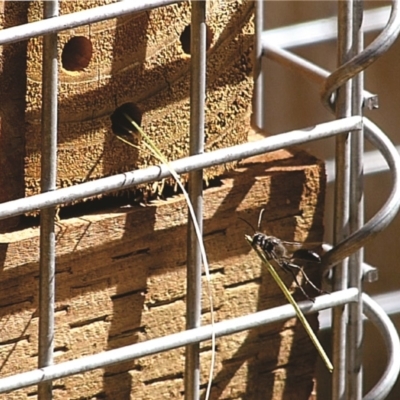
[342,93]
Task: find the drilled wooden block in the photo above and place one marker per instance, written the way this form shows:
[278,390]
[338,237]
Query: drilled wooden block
[138,65]
[12,109]
[121,279]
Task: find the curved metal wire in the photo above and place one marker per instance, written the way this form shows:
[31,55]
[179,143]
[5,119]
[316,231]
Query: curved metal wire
[388,331]
[388,211]
[363,60]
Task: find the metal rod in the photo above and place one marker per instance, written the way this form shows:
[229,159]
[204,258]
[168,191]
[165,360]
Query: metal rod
[184,165]
[376,310]
[341,211]
[355,322]
[384,300]
[371,53]
[197,103]
[369,273]
[388,211]
[374,163]
[301,34]
[173,341]
[257,116]
[296,63]
[307,69]
[385,326]
[48,183]
[79,18]
[321,30]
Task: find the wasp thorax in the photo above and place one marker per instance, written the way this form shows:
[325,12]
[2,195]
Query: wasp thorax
[269,244]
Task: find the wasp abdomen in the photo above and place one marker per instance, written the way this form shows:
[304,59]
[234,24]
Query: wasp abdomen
[307,255]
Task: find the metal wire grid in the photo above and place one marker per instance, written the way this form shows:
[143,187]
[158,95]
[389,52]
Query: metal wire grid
[348,103]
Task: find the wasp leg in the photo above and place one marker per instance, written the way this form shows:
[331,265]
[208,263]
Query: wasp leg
[307,279]
[288,267]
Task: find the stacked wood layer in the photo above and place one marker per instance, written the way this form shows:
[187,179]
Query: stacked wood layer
[121,280]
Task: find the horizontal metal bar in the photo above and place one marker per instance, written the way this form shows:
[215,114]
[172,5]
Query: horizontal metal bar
[73,20]
[184,165]
[321,30]
[173,341]
[296,63]
[309,70]
[389,302]
[374,163]
[391,338]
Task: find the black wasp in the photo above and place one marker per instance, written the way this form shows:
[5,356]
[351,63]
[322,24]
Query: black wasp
[286,254]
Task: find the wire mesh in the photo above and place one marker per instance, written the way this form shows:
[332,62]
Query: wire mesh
[340,93]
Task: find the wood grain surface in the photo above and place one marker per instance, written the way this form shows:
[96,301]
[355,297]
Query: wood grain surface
[139,60]
[121,279]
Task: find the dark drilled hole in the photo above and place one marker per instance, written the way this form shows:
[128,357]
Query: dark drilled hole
[120,124]
[77,53]
[185,38]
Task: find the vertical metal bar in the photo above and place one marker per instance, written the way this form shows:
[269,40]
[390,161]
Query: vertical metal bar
[197,103]
[355,327]
[341,217]
[257,115]
[48,183]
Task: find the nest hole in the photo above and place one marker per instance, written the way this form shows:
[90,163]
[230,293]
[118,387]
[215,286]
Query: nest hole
[185,38]
[120,119]
[77,53]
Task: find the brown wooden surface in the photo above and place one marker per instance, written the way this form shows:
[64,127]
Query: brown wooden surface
[12,108]
[140,59]
[121,279]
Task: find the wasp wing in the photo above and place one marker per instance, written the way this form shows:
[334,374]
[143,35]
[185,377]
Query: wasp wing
[303,251]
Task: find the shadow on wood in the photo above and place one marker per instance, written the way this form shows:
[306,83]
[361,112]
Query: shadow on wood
[121,278]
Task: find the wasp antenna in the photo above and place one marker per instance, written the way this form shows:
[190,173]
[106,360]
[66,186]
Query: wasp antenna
[248,223]
[260,219]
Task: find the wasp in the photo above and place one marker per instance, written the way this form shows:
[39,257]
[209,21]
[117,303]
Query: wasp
[287,254]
